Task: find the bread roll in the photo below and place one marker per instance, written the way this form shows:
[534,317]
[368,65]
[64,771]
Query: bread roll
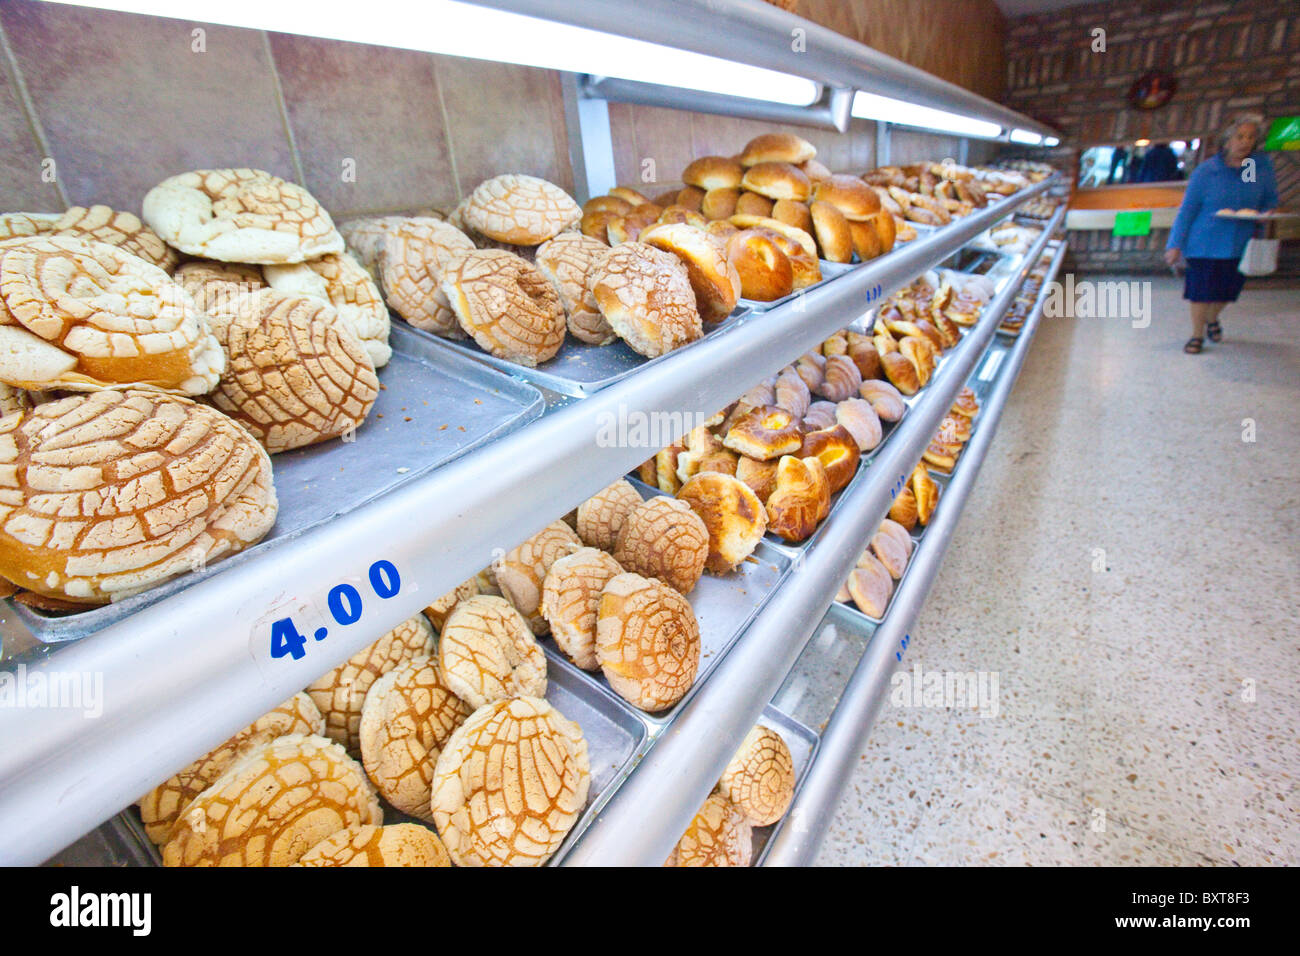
[861,421]
[731,512]
[720,203]
[777,148]
[340,280]
[850,195]
[506,305]
[487,652]
[800,500]
[777,181]
[122,229]
[832,231]
[752,204]
[645,294]
[689,197]
[570,261]
[718,835]
[647,641]
[521,573]
[838,450]
[410,259]
[760,778]
[764,433]
[794,214]
[521,210]
[663,538]
[714,280]
[766,273]
[713,172]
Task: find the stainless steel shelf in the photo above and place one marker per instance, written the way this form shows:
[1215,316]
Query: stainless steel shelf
[676,776]
[860,703]
[185,673]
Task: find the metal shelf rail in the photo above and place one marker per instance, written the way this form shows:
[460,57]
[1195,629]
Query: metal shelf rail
[676,776]
[184,674]
[864,695]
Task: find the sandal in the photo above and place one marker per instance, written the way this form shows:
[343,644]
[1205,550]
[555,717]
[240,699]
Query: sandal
[1214,331]
[1193,346]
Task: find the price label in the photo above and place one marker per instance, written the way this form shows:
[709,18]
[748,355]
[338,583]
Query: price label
[292,628]
[874,292]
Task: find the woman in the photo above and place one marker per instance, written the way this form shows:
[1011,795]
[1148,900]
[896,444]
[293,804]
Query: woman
[1212,245]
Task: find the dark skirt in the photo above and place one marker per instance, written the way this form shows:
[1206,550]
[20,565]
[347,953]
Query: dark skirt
[1213,280]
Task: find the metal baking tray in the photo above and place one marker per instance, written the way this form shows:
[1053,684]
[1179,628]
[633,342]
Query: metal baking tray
[803,743]
[813,687]
[433,406]
[723,605]
[120,841]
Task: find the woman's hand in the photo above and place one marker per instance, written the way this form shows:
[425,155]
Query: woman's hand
[1171,257]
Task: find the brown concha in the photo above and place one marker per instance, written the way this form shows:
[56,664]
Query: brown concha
[760,778]
[647,641]
[521,210]
[663,538]
[506,305]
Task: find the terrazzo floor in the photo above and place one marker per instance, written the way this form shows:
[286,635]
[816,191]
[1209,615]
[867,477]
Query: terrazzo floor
[1127,564]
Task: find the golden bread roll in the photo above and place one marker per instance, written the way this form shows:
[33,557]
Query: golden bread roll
[793,239]
[571,598]
[342,282]
[78,314]
[621,229]
[866,240]
[15,224]
[731,512]
[602,515]
[832,231]
[903,510]
[104,224]
[401,844]
[777,181]
[794,214]
[792,392]
[925,491]
[666,461]
[863,352]
[295,374]
[886,230]
[273,805]
[870,586]
[240,215]
[437,611]
[487,652]
[820,415]
[411,260]
[720,203]
[689,197]
[900,372]
[777,148]
[759,780]
[886,401]
[679,214]
[714,172]
[606,204]
[766,273]
[800,500]
[842,379]
[522,571]
[765,432]
[111,493]
[506,305]
[718,835]
[714,280]
[521,210]
[160,808]
[570,261]
[663,538]
[837,449]
[647,641]
[752,204]
[340,694]
[645,294]
[631,195]
[596,224]
[814,170]
[408,716]
[510,784]
[850,195]
[861,421]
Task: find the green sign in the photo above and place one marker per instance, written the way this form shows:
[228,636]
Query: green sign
[1284,133]
[1136,222]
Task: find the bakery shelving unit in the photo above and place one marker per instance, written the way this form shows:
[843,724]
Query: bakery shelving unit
[183,673]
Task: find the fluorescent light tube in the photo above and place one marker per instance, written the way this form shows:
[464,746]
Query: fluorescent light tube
[462,29]
[1051,141]
[889,110]
[1025,137]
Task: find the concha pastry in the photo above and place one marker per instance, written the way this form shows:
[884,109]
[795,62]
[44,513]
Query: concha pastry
[571,598]
[408,717]
[107,494]
[570,261]
[521,573]
[647,641]
[731,512]
[240,215]
[14,224]
[759,781]
[343,283]
[506,305]
[123,229]
[161,806]
[341,693]
[296,375]
[20,400]
[399,844]
[718,836]
[602,515]
[214,285]
[521,210]
[273,805]
[81,315]
[487,653]
[411,259]
[646,296]
[663,538]
[365,239]
[437,611]
[510,784]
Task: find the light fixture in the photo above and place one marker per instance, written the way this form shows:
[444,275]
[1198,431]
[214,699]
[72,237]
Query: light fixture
[1178,146]
[1051,141]
[886,109]
[1142,142]
[462,29]
[1025,137]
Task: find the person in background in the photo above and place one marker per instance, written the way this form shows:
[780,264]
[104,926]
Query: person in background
[1118,161]
[1238,177]
[1159,165]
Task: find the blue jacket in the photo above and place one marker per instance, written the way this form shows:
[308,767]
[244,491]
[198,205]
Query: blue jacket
[1214,185]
